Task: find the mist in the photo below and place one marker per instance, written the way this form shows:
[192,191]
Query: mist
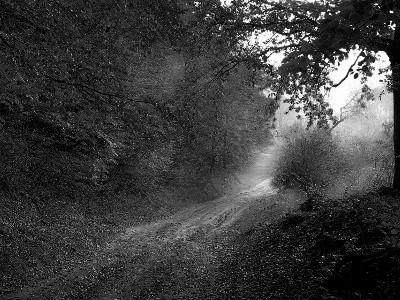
[356,156]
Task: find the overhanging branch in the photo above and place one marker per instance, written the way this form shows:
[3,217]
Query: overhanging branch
[348,71]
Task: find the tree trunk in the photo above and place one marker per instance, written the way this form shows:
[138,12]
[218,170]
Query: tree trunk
[396,139]
[396,130]
[394,55]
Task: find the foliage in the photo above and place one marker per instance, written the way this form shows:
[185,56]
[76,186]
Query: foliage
[118,110]
[99,97]
[366,137]
[356,156]
[310,159]
[314,36]
[63,98]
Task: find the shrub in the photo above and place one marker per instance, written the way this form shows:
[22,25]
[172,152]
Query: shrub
[334,163]
[308,159]
[371,165]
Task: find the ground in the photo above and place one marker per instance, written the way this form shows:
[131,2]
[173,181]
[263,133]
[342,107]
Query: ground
[255,244]
[346,249]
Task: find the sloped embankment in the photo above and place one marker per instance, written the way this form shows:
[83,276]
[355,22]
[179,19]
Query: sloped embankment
[347,249]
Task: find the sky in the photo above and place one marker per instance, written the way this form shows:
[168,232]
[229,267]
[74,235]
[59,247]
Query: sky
[339,96]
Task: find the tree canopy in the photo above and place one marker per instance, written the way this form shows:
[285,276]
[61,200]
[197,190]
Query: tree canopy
[314,36]
[122,96]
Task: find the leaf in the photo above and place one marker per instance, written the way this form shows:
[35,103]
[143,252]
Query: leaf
[365,69]
[356,76]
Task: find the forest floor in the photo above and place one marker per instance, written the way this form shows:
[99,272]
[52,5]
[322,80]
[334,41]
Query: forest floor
[255,244]
[192,240]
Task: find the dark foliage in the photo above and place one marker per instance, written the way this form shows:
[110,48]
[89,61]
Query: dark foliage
[114,112]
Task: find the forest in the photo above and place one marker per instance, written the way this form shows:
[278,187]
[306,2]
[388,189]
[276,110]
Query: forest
[179,149]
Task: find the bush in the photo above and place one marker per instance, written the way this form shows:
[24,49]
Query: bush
[371,165]
[308,159]
[367,138]
[334,163]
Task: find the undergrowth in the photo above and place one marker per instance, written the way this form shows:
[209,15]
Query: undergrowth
[332,164]
[346,249]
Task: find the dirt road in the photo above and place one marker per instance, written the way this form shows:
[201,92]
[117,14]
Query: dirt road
[178,257]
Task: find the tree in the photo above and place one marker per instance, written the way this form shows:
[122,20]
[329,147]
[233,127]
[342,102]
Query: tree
[314,36]
[66,111]
[121,89]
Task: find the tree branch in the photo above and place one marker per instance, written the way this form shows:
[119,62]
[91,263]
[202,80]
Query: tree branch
[83,86]
[336,124]
[259,25]
[348,72]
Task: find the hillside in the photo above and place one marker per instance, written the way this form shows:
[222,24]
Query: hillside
[347,249]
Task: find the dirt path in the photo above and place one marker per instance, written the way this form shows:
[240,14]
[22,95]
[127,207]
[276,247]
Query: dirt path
[215,216]
[178,257]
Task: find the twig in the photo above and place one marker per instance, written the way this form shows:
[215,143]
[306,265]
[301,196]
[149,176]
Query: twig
[348,71]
